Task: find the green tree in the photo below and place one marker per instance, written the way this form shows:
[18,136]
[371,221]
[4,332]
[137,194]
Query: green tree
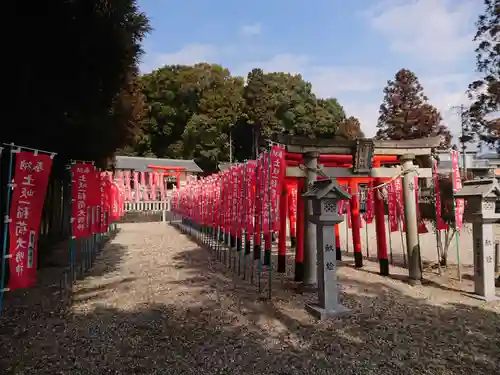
[191,112]
[486,91]
[279,102]
[202,112]
[406,114]
[71,97]
[329,115]
[350,128]
[206,135]
[284,103]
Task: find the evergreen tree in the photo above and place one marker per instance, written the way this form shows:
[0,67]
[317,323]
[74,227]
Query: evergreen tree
[486,91]
[406,114]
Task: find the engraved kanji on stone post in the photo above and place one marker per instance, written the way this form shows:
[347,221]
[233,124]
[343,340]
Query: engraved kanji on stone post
[325,195]
[480,208]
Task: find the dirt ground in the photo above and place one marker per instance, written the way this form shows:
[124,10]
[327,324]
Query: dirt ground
[156,303]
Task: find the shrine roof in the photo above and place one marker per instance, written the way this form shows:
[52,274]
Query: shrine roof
[482,187]
[141,164]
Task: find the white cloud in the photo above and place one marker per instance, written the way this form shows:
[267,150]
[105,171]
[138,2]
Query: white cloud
[288,63]
[187,55]
[326,80]
[252,29]
[438,31]
[332,80]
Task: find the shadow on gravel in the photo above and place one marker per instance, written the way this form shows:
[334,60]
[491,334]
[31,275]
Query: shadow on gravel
[387,329]
[215,338]
[387,333]
[49,297]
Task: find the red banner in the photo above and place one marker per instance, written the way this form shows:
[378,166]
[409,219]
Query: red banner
[264,190]
[80,199]
[457,185]
[30,181]
[440,223]
[250,195]
[392,203]
[277,175]
[161,182]
[239,199]
[137,187]
[143,188]
[102,209]
[369,204]
[153,182]
[398,187]
[422,228]
[228,202]
[128,192]
[292,207]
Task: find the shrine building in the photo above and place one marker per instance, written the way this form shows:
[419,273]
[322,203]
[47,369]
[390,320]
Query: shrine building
[176,171]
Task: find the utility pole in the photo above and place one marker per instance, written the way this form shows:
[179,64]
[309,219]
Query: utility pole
[462,125]
[464,138]
[230,147]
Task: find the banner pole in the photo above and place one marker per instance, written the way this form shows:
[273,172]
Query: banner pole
[389,238]
[72,242]
[270,209]
[6,227]
[457,241]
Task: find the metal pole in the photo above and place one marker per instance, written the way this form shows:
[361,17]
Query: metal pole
[462,124]
[6,228]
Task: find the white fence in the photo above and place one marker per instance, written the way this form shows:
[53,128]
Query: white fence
[147,206]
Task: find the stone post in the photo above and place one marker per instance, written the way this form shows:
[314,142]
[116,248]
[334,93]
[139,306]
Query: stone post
[484,255]
[310,257]
[328,290]
[410,205]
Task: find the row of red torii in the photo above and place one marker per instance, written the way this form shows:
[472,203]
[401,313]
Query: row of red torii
[250,201]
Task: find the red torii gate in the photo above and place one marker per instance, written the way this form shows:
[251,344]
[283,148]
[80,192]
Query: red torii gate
[169,171]
[345,161]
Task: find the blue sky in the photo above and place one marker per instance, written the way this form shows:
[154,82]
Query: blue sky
[346,49]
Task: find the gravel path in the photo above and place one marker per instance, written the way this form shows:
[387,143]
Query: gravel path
[155,303]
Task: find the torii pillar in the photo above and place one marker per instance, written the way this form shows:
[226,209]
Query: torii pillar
[310,256]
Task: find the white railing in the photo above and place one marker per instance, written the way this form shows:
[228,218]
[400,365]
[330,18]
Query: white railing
[147,206]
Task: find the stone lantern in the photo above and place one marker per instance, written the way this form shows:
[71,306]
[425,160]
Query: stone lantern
[324,196]
[480,201]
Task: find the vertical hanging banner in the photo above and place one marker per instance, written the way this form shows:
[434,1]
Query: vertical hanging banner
[422,228]
[457,185]
[114,199]
[137,188]
[94,199]
[400,211]
[292,207]
[276,176]
[31,176]
[102,202]
[80,190]
[128,195]
[153,182]
[251,169]
[241,196]
[440,223]
[369,204]
[234,199]
[161,182]
[264,183]
[263,192]
[392,203]
[143,188]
